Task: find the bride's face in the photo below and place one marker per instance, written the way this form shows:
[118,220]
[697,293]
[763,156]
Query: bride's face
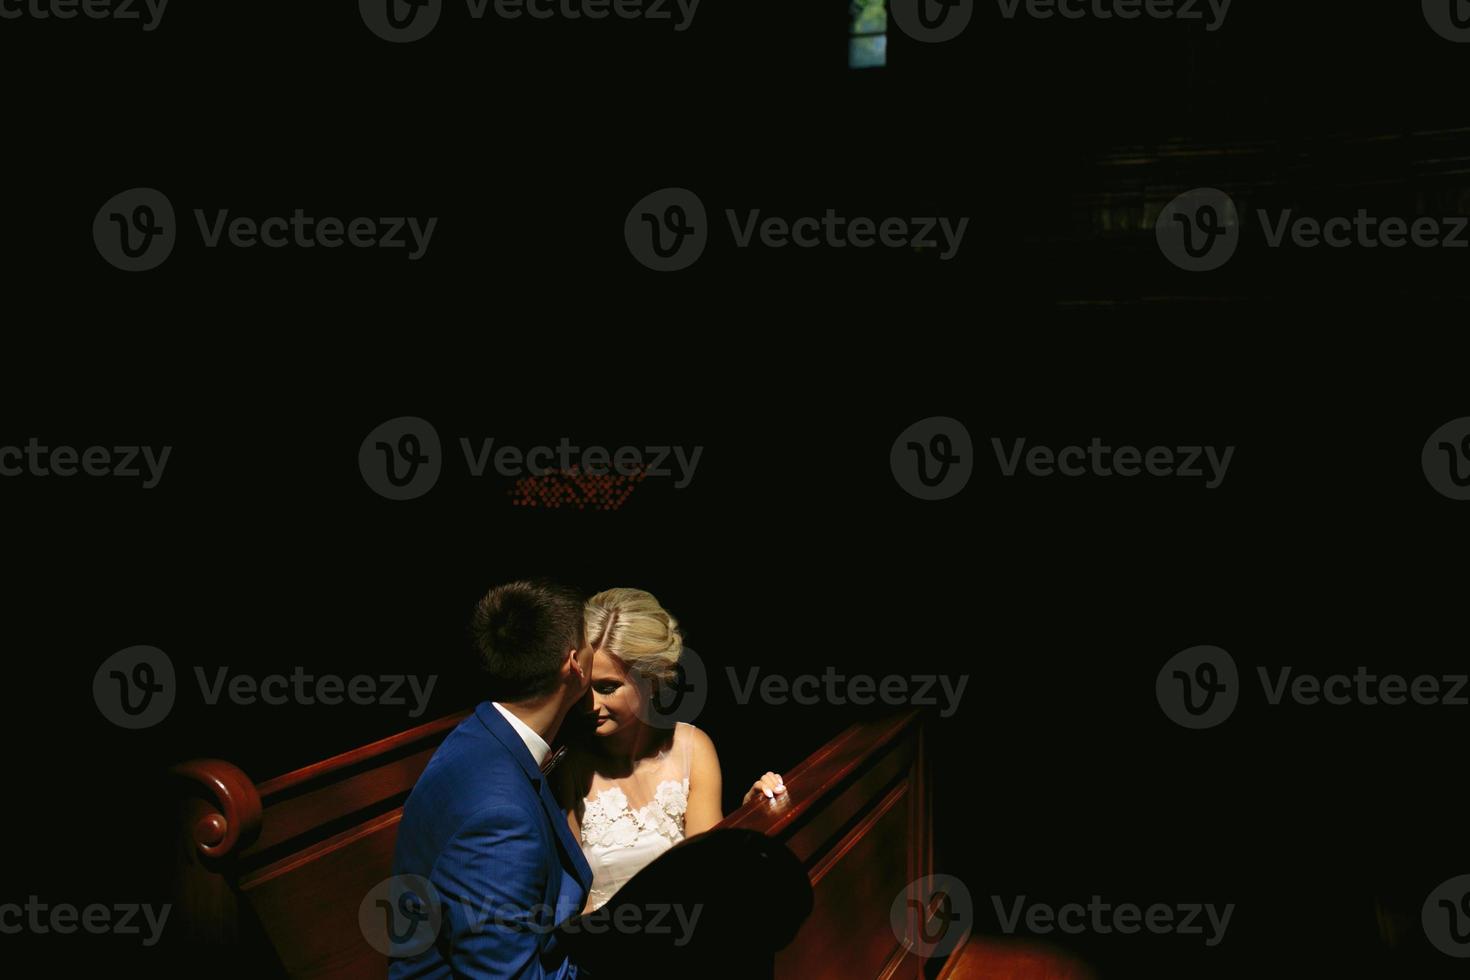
[616,699]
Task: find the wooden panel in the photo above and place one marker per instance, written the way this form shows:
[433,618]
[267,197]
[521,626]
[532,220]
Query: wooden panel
[308,904]
[429,733]
[849,933]
[815,836]
[815,778]
[303,813]
[857,814]
[990,958]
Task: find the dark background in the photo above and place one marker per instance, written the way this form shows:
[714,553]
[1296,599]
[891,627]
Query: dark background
[793,548]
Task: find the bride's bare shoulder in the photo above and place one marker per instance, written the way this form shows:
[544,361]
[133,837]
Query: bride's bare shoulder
[700,745]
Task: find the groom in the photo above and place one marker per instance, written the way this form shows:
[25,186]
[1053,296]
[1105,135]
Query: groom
[481,825]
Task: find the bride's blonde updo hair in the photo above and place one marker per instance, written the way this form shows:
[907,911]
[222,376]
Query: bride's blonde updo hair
[632,626]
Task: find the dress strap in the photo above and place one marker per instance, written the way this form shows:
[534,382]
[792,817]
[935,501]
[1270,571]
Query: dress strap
[687,733]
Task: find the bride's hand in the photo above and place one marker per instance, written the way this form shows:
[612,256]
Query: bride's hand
[770,786]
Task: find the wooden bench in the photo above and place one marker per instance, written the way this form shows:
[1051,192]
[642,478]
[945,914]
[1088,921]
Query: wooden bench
[272,875]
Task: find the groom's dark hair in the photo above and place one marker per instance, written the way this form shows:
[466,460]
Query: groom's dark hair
[522,630]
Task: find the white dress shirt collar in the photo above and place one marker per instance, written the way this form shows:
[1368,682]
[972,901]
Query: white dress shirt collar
[537,744]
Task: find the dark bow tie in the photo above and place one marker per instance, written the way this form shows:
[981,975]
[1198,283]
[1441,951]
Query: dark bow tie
[552,761]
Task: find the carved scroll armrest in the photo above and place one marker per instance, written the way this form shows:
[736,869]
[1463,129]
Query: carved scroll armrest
[224,816]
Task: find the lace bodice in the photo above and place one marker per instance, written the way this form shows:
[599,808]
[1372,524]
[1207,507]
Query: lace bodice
[628,822]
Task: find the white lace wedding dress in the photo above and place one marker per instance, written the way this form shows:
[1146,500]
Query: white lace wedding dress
[628,822]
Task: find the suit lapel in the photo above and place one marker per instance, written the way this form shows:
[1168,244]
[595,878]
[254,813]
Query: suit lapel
[508,737]
[580,867]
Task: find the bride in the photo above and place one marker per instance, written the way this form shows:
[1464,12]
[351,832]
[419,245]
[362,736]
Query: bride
[633,790]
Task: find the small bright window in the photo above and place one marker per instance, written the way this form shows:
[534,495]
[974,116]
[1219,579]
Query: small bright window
[868,46]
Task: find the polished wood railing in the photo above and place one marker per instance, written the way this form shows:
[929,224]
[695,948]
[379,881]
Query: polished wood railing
[271,875]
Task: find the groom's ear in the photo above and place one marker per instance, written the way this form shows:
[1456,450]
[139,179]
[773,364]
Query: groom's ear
[575,665]
[583,660]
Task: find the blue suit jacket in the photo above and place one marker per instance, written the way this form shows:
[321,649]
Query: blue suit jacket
[482,827]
